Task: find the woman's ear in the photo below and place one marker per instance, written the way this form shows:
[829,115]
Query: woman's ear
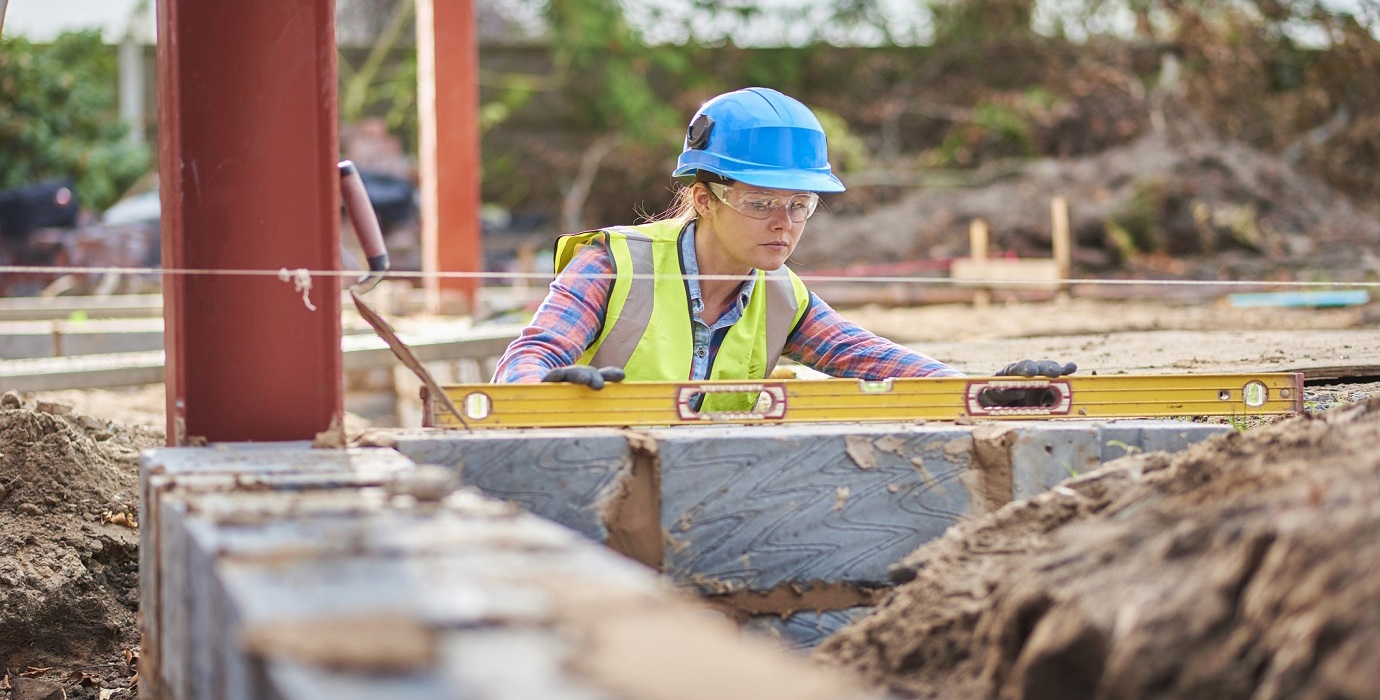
[701,197]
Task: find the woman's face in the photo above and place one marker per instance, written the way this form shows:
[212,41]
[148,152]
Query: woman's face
[741,241]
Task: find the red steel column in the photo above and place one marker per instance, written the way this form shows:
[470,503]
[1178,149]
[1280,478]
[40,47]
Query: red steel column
[448,101]
[247,167]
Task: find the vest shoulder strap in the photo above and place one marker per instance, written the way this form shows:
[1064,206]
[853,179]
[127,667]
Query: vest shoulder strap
[786,299]
[632,302]
[567,243]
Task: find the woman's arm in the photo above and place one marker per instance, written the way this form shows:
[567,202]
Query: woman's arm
[830,343]
[568,320]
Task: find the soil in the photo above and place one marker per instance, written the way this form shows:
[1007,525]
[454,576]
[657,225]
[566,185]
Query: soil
[1175,203]
[1245,567]
[69,590]
[967,323]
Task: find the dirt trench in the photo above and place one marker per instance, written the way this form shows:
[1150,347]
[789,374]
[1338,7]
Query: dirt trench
[1245,567]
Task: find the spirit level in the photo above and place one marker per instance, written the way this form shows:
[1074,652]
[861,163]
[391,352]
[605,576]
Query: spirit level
[850,400]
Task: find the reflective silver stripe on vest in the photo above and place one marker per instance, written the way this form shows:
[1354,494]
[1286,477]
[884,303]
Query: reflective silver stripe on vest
[781,308]
[627,329]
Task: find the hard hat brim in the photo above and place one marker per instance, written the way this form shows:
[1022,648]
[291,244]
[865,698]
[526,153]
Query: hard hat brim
[798,180]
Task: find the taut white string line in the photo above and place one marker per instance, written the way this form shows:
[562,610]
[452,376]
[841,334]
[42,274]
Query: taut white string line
[814,279]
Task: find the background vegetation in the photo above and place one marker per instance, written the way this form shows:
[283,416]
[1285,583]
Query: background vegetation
[584,102]
[59,118]
[589,109]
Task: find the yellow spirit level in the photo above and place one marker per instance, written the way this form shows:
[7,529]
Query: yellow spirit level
[850,400]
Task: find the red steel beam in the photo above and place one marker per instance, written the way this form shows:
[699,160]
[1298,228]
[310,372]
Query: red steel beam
[247,165]
[448,102]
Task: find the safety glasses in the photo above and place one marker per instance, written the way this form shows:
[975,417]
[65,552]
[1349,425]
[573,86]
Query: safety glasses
[755,204]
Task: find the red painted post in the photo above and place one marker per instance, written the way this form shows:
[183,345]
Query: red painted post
[448,102]
[247,165]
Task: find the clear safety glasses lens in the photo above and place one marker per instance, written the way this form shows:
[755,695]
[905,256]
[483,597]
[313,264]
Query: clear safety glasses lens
[761,205]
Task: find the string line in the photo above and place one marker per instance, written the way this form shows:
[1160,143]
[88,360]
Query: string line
[297,274]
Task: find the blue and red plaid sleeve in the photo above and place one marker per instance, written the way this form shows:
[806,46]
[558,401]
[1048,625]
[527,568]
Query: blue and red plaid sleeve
[830,343]
[567,321]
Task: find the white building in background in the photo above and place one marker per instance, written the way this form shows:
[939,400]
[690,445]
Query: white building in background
[130,24]
[43,20]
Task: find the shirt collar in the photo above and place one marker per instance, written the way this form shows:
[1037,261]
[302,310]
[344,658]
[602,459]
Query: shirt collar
[692,270]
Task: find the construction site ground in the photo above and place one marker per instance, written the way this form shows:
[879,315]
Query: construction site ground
[1246,565]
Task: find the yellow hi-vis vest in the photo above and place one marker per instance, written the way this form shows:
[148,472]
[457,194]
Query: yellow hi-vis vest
[647,323]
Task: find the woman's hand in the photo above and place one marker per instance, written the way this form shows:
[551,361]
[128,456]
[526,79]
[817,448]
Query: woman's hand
[586,375]
[1022,398]
[1043,368]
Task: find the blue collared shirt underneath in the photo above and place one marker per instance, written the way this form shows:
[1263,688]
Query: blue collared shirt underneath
[706,335]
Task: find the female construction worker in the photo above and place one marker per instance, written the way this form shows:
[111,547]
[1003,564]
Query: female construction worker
[703,293]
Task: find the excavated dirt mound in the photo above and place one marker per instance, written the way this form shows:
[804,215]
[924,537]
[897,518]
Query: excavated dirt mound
[1245,567]
[1189,205]
[69,591]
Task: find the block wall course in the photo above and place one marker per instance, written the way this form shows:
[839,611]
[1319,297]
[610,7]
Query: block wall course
[308,581]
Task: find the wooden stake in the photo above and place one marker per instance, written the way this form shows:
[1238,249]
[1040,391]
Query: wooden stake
[1063,241]
[977,251]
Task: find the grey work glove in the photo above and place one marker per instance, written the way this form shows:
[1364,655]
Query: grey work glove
[1026,397]
[586,375]
[1043,368]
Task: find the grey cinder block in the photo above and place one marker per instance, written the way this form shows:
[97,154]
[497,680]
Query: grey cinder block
[568,476]
[299,585]
[753,509]
[1044,454]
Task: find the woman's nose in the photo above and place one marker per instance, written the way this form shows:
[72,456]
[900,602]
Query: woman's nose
[780,220]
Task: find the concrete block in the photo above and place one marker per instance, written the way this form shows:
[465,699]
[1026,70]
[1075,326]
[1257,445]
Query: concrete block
[568,476]
[348,590]
[1044,454]
[1174,436]
[34,339]
[816,513]
[751,509]
[165,662]
[167,476]
[324,558]
[1121,438]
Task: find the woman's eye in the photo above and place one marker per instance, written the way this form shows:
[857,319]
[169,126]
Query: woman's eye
[761,204]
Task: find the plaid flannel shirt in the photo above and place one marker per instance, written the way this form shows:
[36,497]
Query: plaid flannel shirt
[572,315]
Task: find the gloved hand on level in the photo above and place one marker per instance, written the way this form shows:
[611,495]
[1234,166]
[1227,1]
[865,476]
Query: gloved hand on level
[586,375]
[1014,398]
[1043,368]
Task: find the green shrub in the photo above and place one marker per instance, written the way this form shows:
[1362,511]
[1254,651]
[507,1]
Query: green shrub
[59,118]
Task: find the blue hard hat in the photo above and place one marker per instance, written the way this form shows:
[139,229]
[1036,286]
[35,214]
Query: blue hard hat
[759,137]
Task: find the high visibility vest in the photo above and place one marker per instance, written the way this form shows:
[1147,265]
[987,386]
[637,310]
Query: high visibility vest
[647,323]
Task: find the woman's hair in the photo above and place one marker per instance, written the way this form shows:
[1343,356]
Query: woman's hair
[682,207]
